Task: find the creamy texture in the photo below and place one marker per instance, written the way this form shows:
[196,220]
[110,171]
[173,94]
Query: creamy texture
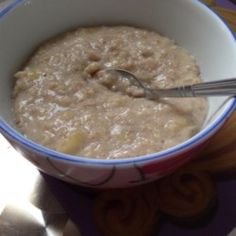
[60,102]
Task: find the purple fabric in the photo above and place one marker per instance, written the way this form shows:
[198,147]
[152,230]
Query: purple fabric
[226,4]
[78,204]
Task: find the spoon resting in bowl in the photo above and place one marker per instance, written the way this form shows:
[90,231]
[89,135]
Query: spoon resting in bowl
[129,84]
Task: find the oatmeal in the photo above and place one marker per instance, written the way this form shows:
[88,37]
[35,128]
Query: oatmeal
[63,100]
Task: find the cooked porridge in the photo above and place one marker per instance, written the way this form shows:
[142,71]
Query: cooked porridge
[64,100]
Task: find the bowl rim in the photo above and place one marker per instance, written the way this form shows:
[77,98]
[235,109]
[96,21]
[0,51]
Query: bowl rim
[164,154]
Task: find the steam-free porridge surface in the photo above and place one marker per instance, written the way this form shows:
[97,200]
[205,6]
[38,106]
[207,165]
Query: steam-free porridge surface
[60,100]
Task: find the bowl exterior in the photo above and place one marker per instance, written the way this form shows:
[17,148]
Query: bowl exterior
[111,176]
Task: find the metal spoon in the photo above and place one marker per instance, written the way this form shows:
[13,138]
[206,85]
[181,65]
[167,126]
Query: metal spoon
[225,87]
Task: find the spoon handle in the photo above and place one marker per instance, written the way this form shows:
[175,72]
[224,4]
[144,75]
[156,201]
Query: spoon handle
[214,88]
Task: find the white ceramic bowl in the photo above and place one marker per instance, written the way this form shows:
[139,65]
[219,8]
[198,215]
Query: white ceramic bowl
[24,24]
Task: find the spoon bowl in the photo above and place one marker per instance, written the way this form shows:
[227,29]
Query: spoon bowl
[136,88]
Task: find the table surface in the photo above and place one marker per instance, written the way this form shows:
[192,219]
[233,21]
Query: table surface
[32,203]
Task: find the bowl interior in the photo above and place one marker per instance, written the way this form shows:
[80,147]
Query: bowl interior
[189,23]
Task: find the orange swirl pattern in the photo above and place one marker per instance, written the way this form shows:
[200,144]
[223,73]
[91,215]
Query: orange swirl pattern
[220,155]
[186,195]
[127,212]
